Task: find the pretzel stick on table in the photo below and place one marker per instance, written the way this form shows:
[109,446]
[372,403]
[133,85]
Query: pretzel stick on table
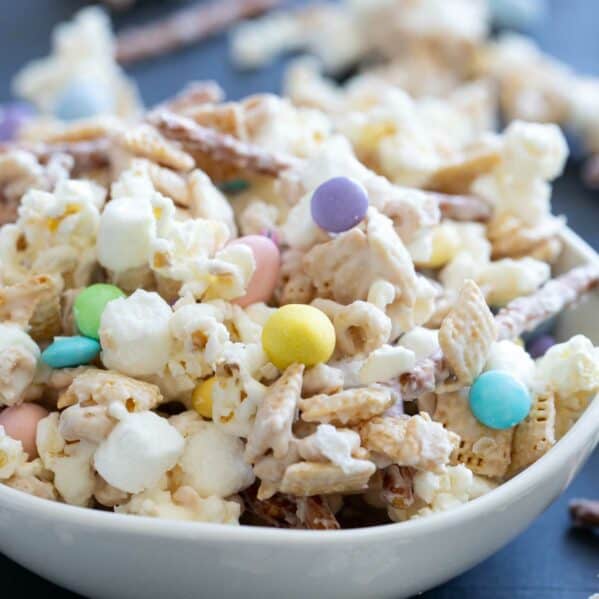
[221,146]
[185,27]
[522,314]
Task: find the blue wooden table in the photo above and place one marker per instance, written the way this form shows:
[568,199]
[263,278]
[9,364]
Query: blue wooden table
[548,561]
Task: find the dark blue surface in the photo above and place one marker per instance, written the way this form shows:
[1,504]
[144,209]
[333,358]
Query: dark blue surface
[549,560]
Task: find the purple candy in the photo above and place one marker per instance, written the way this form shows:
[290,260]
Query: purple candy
[339,204]
[539,346]
[12,117]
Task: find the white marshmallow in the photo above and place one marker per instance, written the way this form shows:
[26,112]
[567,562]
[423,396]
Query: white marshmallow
[134,333]
[127,229]
[385,363]
[422,341]
[138,452]
[511,357]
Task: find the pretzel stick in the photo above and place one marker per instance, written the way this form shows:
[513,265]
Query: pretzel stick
[585,512]
[86,154]
[462,207]
[522,314]
[194,94]
[185,27]
[221,146]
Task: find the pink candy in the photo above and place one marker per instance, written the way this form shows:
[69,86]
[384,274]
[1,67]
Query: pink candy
[20,423]
[264,280]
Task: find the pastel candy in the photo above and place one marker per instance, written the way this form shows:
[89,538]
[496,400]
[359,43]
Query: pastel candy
[264,279]
[339,204]
[66,352]
[498,400]
[20,423]
[517,14]
[90,304]
[538,347]
[12,117]
[297,333]
[83,98]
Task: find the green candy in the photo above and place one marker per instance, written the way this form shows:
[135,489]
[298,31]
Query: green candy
[90,304]
[234,186]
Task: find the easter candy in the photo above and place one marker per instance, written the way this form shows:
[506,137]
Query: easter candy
[339,204]
[518,14]
[90,304]
[234,186]
[64,352]
[264,279]
[83,98]
[499,400]
[201,398]
[539,345]
[12,117]
[20,423]
[298,333]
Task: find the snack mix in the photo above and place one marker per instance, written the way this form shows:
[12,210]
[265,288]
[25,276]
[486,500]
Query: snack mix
[302,311]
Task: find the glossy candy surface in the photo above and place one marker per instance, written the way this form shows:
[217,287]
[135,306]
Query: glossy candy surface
[12,117]
[83,98]
[66,352]
[539,346]
[498,400]
[298,333]
[339,204]
[90,304]
[20,422]
[264,280]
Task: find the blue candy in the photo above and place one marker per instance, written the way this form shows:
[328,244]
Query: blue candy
[498,400]
[83,98]
[70,351]
[517,14]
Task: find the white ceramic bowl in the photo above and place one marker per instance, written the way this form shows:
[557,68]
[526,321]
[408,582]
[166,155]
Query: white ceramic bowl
[106,555]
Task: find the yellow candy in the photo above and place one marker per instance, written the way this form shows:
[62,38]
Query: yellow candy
[446,243]
[201,397]
[298,333]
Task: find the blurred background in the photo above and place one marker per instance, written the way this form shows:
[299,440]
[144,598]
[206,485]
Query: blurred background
[550,560]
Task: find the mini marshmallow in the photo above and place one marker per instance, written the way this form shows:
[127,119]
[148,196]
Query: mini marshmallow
[386,363]
[422,341]
[19,355]
[134,333]
[138,452]
[127,229]
[511,357]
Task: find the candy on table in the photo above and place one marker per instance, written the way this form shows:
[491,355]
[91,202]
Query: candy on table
[498,400]
[339,204]
[12,117]
[298,333]
[201,397]
[538,347]
[20,423]
[83,98]
[264,280]
[90,304]
[65,352]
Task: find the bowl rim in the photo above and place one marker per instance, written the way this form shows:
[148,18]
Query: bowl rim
[499,499]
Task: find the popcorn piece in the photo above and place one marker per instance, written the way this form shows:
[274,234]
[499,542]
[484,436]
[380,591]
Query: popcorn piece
[183,504]
[483,450]
[535,436]
[89,423]
[31,478]
[467,333]
[71,463]
[314,478]
[138,451]
[212,461]
[329,444]
[414,441]
[107,495]
[134,333]
[275,416]
[82,49]
[12,455]
[348,407]
[18,362]
[208,202]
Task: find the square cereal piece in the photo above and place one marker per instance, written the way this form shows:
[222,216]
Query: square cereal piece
[484,450]
[534,436]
